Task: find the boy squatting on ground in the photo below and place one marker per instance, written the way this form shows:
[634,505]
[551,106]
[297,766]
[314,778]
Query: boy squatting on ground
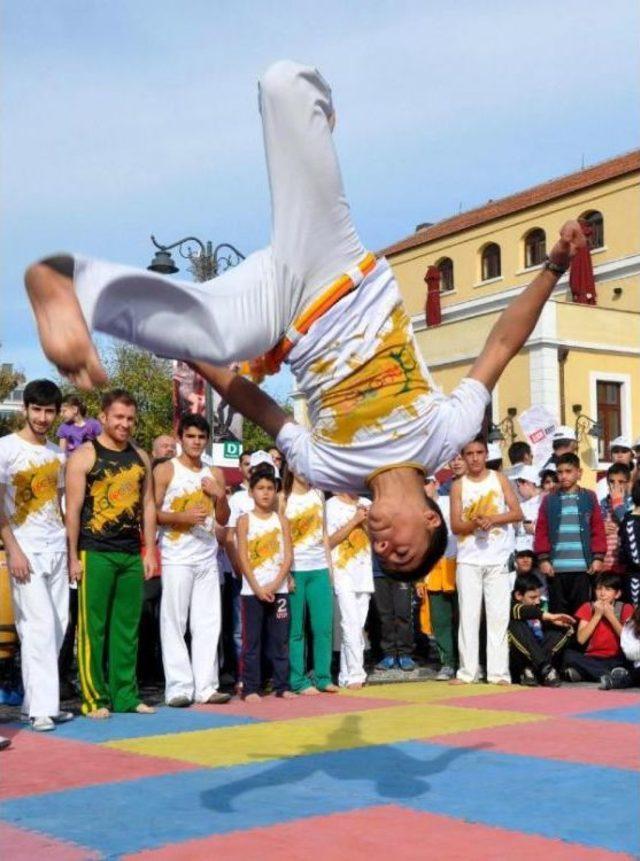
[316,299]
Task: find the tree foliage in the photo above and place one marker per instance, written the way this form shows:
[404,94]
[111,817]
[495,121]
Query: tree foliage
[147,378]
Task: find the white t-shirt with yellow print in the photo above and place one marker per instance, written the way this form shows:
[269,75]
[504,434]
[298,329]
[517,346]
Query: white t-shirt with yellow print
[305,513]
[32,476]
[351,559]
[371,398]
[265,548]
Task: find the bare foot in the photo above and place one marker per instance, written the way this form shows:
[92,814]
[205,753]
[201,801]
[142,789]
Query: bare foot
[330,689]
[63,332]
[355,686]
[501,682]
[144,709]
[99,714]
[309,692]
[252,698]
[457,681]
[287,695]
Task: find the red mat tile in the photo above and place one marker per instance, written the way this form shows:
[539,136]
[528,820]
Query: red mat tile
[566,700]
[570,740]
[35,764]
[275,708]
[17,844]
[364,834]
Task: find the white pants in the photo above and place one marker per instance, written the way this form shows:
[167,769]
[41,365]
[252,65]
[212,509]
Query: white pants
[41,609]
[193,592]
[351,614]
[242,313]
[491,582]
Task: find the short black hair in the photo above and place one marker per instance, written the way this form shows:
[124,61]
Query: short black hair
[262,470]
[635,491]
[548,473]
[619,469]
[529,554]
[569,458]
[194,420]
[115,396]
[526,583]
[609,580]
[246,453]
[517,452]
[432,555]
[42,393]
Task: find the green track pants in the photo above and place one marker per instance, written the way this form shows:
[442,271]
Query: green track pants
[109,606]
[313,593]
[444,619]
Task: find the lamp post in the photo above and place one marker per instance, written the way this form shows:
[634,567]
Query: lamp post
[205,263]
[504,429]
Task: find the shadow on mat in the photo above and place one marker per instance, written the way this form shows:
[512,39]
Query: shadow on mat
[396,775]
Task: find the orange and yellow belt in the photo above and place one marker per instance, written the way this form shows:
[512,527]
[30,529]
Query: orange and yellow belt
[270,363]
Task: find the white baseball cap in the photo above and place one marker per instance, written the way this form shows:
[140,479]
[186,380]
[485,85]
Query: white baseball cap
[564,432]
[528,473]
[262,456]
[494,452]
[621,442]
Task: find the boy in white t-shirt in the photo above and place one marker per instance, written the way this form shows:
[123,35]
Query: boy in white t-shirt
[317,300]
[352,565]
[31,526]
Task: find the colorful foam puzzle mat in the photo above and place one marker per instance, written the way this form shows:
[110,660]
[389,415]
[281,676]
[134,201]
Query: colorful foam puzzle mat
[408,771]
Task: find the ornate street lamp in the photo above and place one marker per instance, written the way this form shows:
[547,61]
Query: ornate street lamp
[205,263]
[504,429]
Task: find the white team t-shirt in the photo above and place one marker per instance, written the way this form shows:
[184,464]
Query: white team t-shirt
[265,548]
[371,398]
[240,502]
[530,510]
[351,559]
[444,503]
[305,513]
[482,547]
[186,545]
[32,476]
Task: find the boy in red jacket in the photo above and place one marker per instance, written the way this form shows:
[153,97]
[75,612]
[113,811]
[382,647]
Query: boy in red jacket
[570,540]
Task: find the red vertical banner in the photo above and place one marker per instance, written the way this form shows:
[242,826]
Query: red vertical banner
[188,392]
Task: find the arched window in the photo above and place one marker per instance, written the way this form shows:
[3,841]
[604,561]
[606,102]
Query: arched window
[596,223]
[535,247]
[445,266]
[491,267]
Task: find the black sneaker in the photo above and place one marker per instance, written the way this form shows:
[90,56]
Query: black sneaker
[571,675]
[620,678]
[551,679]
[605,683]
[528,678]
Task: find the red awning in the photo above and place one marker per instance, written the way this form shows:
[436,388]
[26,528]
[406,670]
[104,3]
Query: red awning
[433,312]
[581,280]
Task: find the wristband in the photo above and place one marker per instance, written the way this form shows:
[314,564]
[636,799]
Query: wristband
[556,268]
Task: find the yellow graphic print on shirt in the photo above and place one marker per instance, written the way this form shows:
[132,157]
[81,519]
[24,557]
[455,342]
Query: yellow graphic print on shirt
[480,507]
[187,501]
[357,542]
[34,487]
[390,379]
[306,524]
[264,547]
[115,495]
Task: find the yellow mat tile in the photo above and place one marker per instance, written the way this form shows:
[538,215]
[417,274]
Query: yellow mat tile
[248,743]
[426,692]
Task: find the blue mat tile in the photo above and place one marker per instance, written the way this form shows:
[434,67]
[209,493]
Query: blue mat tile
[523,793]
[624,714]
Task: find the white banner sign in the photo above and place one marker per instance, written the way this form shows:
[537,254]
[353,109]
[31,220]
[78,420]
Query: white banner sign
[538,425]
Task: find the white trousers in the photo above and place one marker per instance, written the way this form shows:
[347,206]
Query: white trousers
[41,609]
[243,312]
[190,592]
[474,583]
[351,614]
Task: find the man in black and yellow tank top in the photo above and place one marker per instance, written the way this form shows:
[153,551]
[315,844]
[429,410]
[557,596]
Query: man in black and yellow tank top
[110,505]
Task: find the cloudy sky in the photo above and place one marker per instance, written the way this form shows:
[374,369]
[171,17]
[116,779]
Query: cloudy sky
[131,117]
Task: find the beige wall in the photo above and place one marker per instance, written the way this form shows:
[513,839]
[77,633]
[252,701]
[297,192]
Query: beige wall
[619,202]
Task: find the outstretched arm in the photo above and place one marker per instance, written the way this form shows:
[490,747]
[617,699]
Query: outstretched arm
[518,320]
[245,397]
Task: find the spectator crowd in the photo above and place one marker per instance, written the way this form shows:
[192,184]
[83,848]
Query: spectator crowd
[130,569]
